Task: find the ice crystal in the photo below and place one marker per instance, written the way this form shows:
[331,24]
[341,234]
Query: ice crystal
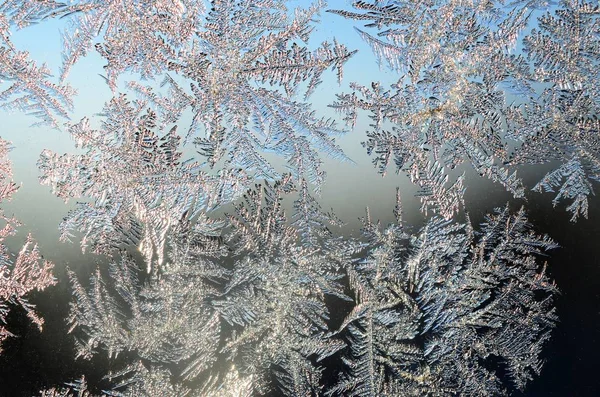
[139,185]
[164,321]
[259,301]
[276,294]
[563,125]
[139,36]
[310,220]
[134,381]
[77,388]
[241,50]
[455,67]
[24,14]
[435,309]
[242,120]
[456,74]
[268,315]
[25,84]
[25,272]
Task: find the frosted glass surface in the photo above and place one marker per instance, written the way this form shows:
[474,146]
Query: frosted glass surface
[286,198]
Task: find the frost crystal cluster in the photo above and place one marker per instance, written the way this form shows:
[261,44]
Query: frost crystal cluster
[21,273]
[434,308]
[200,181]
[24,84]
[464,94]
[431,311]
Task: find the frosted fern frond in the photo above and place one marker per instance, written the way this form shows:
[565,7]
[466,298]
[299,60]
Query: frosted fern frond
[243,101]
[561,54]
[269,316]
[7,186]
[77,388]
[139,380]
[20,275]
[435,196]
[165,321]
[134,381]
[455,69]
[97,312]
[433,309]
[275,298]
[575,187]
[310,220]
[29,90]
[139,185]
[425,132]
[291,67]
[23,14]
[563,124]
[420,35]
[25,85]
[24,272]
[137,36]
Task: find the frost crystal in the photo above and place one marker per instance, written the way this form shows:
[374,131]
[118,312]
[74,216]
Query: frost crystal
[141,189]
[233,296]
[77,388]
[436,309]
[139,184]
[24,84]
[460,67]
[565,119]
[244,56]
[448,107]
[276,294]
[267,314]
[139,36]
[26,272]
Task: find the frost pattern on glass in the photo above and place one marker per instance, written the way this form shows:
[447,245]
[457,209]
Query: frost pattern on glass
[134,174]
[246,63]
[131,170]
[21,273]
[465,95]
[76,388]
[454,66]
[434,309]
[266,310]
[166,322]
[276,294]
[563,125]
[25,85]
[132,36]
[245,303]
